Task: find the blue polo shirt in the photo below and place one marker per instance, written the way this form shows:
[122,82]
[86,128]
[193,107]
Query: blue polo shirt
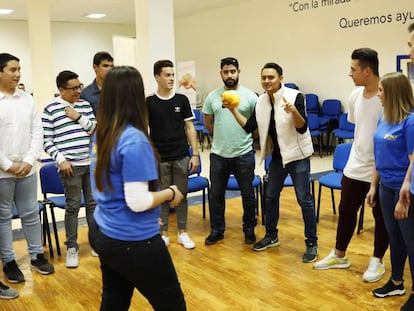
[91,94]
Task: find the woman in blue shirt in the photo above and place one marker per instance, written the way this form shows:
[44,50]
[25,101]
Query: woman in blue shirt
[124,177]
[393,146]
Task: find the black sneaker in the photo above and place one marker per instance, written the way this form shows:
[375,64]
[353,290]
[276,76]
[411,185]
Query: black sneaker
[311,253]
[249,236]
[409,304]
[389,289]
[7,292]
[213,238]
[13,273]
[266,243]
[41,265]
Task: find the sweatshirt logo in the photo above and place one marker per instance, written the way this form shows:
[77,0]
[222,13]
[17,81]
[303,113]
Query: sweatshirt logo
[177,109]
[390,137]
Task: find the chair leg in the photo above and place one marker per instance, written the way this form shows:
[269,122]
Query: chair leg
[204,203]
[319,203]
[361,218]
[46,231]
[320,140]
[52,212]
[333,201]
[263,205]
[312,182]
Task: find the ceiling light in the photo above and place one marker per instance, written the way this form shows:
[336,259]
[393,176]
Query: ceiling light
[5,11]
[95,15]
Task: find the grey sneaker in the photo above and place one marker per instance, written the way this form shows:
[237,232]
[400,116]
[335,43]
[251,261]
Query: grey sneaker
[266,243]
[72,259]
[311,253]
[41,265]
[7,292]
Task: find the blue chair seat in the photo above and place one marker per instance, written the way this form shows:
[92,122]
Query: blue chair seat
[343,134]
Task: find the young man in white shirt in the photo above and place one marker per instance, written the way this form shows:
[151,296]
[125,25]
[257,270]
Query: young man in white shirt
[21,144]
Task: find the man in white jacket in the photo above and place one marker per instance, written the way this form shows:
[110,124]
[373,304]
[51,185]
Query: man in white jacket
[280,118]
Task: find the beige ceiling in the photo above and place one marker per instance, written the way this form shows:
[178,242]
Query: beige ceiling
[118,11]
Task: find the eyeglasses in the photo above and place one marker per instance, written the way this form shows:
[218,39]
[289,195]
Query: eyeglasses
[75,88]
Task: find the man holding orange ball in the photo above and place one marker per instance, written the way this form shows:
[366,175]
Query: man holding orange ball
[232,151]
[280,118]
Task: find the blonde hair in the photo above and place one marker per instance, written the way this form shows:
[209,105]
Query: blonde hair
[398,97]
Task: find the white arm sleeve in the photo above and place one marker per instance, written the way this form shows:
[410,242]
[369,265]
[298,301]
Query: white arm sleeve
[137,196]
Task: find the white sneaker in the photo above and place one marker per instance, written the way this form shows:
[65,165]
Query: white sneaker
[375,271]
[94,254]
[72,260]
[184,239]
[166,240]
[332,261]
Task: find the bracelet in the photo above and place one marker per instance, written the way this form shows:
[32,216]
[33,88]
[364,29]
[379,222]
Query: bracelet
[78,118]
[173,191]
[195,155]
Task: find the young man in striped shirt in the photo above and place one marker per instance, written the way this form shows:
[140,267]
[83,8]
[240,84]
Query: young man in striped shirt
[68,123]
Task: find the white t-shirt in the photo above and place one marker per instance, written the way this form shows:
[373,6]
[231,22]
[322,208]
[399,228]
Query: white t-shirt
[364,113]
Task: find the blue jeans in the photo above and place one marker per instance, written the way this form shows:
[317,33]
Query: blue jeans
[400,232]
[74,186]
[22,192]
[243,169]
[300,173]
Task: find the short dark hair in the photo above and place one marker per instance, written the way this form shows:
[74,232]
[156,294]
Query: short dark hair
[411,28]
[101,56]
[5,58]
[63,78]
[367,58]
[229,61]
[275,67]
[158,65]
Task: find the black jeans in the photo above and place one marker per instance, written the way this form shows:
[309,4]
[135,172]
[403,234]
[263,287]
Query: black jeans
[243,169]
[144,265]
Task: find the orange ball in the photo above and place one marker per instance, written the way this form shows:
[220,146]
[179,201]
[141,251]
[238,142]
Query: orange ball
[232,98]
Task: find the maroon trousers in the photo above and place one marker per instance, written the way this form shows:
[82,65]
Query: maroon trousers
[353,194]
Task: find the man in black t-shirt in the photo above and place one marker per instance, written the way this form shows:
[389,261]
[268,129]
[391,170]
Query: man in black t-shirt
[171,130]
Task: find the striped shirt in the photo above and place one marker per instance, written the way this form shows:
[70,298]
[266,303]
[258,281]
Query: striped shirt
[65,139]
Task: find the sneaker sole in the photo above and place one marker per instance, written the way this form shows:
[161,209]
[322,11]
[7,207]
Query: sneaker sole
[266,247]
[72,266]
[337,266]
[373,280]
[309,261]
[41,271]
[214,242]
[9,297]
[186,247]
[396,292]
[15,281]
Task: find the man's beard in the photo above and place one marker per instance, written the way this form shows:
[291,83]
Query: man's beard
[230,83]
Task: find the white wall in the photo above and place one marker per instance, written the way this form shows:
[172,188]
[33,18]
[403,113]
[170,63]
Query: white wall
[73,44]
[311,47]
